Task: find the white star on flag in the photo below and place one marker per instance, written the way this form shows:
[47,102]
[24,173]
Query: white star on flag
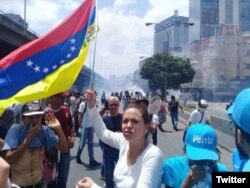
[37,68]
[29,63]
[68,55]
[73,41]
[62,61]
[45,70]
[73,48]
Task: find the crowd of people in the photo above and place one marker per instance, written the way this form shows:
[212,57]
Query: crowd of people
[36,139]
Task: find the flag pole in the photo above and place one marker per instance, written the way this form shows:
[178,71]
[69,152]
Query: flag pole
[94,55]
[91,84]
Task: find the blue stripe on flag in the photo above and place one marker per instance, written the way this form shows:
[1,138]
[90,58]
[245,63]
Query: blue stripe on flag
[38,66]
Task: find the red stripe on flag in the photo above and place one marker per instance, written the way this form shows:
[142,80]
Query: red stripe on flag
[54,37]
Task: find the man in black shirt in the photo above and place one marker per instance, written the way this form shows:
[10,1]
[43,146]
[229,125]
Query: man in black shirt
[173,109]
[113,122]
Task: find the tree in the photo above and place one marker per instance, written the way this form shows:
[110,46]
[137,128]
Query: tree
[163,66]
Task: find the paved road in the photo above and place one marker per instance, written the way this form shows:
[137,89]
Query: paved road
[169,142]
[214,109]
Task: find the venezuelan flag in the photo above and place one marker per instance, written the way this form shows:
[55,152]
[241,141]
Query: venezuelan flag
[50,64]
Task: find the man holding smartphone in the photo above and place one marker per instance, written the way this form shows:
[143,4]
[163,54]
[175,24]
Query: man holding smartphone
[195,168]
[25,141]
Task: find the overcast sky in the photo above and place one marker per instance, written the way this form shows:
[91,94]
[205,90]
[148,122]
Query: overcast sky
[123,36]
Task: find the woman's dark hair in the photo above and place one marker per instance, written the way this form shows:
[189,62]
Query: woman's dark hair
[145,115]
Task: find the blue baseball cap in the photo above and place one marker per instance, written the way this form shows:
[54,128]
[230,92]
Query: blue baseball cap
[240,110]
[201,142]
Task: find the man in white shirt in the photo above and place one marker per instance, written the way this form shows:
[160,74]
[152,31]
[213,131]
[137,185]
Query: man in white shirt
[200,114]
[87,135]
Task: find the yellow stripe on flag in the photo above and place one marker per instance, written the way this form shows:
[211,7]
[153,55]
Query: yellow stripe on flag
[59,81]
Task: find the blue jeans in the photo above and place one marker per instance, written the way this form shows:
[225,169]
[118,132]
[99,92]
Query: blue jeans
[63,169]
[110,158]
[88,134]
[174,118]
[102,167]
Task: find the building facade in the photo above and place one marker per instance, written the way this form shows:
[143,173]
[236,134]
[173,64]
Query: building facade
[236,12]
[205,16]
[244,15]
[220,45]
[171,35]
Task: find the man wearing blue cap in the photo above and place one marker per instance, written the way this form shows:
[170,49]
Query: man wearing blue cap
[194,169]
[240,113]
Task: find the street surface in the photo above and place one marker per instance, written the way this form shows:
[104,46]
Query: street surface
[169,142]
[214,108]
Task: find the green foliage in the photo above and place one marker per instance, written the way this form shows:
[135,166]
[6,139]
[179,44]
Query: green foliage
[164,69]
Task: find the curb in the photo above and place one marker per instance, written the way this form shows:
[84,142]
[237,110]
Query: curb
[185,122]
